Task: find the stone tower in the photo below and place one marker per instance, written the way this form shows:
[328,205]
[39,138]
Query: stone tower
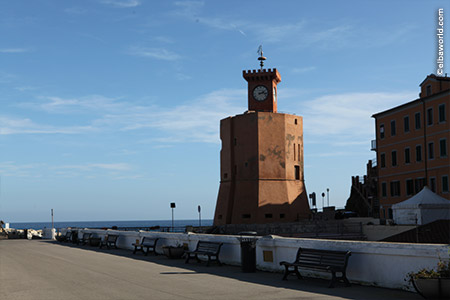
[261,160]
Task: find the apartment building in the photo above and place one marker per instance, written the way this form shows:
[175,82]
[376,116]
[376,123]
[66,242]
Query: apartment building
[412,145]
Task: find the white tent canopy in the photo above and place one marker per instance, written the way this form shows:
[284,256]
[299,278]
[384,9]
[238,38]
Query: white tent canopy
[423,208]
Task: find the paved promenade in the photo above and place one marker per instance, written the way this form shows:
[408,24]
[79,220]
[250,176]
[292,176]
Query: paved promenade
[47,270]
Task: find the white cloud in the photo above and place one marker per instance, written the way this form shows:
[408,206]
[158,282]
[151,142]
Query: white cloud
[9,125]
[122,3]
[13,50]
[157,53]
[304,69]
[347,116]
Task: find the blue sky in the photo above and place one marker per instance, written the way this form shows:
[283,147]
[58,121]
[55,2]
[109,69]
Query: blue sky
[110,109]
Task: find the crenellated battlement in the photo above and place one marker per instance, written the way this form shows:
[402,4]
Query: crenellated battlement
[264,74]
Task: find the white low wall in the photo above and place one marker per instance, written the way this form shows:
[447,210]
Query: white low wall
[371,263]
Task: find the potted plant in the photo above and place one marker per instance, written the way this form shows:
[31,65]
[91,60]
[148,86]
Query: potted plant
[431,283]
[173,251]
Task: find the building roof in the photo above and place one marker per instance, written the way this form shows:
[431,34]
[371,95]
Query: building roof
[418,100]
[425,98]
[433,76]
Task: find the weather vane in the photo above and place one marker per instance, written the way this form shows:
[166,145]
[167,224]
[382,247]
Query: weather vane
[261,58]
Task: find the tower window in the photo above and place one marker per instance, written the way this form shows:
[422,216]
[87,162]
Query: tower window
[295,121]
[428,90]
[297,172]
[298,152]
[268,216]
[282,216]
[294,152]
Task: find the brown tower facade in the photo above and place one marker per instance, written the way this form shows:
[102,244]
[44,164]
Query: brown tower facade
[261,160]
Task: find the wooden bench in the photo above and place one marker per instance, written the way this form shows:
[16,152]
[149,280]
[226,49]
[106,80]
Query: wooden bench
[322,260]
[148,243]
[210,249]
[109,241]
[85,239]
[65,238]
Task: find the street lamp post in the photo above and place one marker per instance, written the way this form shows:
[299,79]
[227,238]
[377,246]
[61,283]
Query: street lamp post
[172,206]
[328,196]
[323,200]
[199,216]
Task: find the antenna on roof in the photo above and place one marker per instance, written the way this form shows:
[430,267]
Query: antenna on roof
[261,58]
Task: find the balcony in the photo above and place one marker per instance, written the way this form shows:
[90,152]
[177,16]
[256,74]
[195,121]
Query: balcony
[373,145]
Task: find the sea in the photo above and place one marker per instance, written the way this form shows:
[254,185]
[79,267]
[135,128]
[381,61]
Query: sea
[109,224]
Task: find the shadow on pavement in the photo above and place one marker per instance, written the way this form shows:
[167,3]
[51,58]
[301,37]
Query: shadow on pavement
[311,285]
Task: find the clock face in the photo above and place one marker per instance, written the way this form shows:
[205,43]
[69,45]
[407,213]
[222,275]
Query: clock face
[260,93]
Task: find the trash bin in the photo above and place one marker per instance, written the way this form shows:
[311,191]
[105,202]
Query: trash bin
[248,251]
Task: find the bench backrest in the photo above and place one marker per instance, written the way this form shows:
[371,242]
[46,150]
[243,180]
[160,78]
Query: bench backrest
[111,238]
[212,247]
[149,240]
[68,233]
[319,257]
[86,235]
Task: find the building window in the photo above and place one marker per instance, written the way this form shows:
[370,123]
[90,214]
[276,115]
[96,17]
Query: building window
[246,216]
[297,172]
[235,141]
[430,150]
[282,216]
[409,187]
[220,217]
[445,184]
[225,175]
[298,152]
[428,90]
[268,216]
[407,155]
[443,148]
[393,129]
[383,189]
[406,123]
[382,131]
[430,116]
[441,113]
[418,153]
[433,184]
[383,160]
[295,121]
[294,152]
[419,183]
[394,158]
[417,120]
[395,188]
